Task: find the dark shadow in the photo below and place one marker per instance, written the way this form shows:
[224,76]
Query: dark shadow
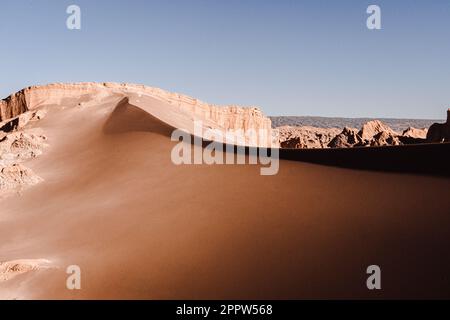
[429,159]
[432,158]
[130,118]
[10,125]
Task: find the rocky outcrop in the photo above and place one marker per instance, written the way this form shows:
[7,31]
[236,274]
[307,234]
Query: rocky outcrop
[373,133]
[384,138]
[17,144]
[20,146]
[305,137]
[415,133]
[20,121]
[15,148]
[16,176]
[226,118]
[412,135]
[349,137]
[13,106]
[292,143]
[372,128]
[439,132]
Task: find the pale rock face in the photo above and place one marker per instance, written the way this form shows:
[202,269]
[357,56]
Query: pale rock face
[374,127]
[18,146]
[225,118]
[415,133]
[16,176]
[20,121]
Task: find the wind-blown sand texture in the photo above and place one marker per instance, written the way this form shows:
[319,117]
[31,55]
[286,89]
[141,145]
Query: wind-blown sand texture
[112,202]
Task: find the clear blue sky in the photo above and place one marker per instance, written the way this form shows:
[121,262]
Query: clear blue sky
[290,57]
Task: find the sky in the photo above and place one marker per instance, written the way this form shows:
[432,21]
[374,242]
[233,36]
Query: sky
[288,57]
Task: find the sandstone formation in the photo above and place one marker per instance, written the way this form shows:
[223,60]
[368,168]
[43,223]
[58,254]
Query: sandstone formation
[439,132]
[21,120]
[225,118]
[384,138]
[292,143]
[306,137]
[372,128]
[13,106]
[415,133]
[18,144]
[21,145]
[349,137]
[373,133]
[16,176]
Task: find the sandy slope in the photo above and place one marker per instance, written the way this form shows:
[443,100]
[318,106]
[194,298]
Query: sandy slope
[140,227]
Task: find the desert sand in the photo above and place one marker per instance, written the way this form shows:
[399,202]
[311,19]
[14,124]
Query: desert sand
[140,227]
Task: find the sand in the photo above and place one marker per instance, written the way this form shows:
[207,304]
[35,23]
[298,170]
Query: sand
[140,227]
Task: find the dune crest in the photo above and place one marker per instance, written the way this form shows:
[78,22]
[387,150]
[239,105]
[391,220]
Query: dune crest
[225,118]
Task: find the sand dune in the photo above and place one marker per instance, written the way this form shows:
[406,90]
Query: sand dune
[141,227]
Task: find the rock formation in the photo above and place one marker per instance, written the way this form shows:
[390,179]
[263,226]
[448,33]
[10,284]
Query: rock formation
[306,137]
[384,138]
[415,133]
[226,118]
[440,132]
[16,176]
[23,106]
[293,143]
[21,145]
[21,120]
[17,144]
[13,106]
[373,133]
[372,128]
[349,137]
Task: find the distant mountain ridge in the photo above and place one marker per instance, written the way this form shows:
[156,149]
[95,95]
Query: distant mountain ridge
[332,122]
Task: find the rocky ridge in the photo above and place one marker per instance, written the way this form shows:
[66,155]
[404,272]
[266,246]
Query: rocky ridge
[372,133]
[18,144]
[230,117]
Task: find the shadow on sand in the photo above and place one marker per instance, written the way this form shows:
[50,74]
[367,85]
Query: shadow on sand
[127,117]
[429,159]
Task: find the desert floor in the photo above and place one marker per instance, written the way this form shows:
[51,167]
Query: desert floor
[141,227]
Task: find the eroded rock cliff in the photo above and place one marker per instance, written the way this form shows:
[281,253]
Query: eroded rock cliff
[227,118]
